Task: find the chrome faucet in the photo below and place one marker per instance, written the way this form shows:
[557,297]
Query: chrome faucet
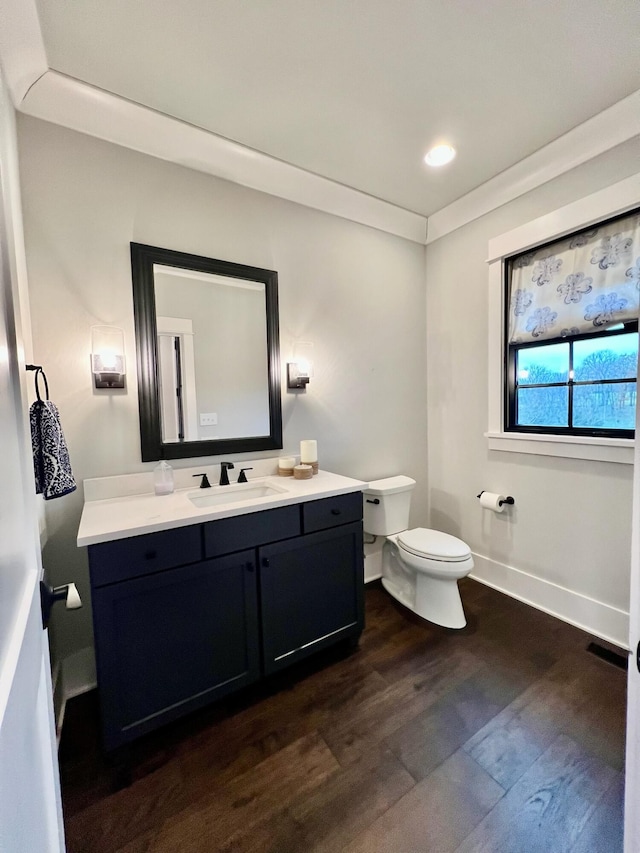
[225,467]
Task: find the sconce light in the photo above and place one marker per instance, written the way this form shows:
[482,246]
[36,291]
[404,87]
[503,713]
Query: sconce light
[107,357]
[300,368]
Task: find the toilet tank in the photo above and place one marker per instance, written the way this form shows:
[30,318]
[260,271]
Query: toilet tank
[386,505]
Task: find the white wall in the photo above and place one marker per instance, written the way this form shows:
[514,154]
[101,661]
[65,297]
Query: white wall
[571,525]
[357,293]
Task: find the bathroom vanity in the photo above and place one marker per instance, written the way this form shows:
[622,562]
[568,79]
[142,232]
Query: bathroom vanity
[192,602]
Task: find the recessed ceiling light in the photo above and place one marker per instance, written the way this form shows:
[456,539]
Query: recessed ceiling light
[440,155]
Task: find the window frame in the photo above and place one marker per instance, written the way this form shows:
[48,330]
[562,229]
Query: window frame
[511,384]
[616,200]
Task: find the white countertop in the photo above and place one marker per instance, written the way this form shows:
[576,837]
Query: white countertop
[134,515]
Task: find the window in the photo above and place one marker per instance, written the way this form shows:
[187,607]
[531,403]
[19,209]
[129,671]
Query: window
[572,333]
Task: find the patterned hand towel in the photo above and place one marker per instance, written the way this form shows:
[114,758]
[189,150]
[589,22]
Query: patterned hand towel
[52,467]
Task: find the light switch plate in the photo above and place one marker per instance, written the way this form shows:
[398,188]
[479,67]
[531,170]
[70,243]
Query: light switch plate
[208,418]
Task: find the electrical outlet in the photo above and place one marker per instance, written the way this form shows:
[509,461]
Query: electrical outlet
[208,418]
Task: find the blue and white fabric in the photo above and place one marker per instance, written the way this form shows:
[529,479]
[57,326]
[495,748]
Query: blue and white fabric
[52,467]
[583,283]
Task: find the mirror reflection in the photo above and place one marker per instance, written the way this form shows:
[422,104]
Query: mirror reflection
[212,355]
[208,355]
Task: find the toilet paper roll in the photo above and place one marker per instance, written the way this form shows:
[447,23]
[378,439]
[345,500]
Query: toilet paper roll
[490,500]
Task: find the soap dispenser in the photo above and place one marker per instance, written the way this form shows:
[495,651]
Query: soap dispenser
[163,478]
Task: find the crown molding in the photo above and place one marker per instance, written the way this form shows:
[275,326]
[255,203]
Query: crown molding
[22,54]
[72,103]
[606,203]
[63,100]
[43,93]
[604,131]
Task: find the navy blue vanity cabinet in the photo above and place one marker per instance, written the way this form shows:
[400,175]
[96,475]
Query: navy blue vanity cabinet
[311,594]
[171,641]
[312,588]
[185,616]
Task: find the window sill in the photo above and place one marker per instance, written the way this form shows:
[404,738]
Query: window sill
[570,447]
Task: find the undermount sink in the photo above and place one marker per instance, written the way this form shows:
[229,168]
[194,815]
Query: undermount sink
[238,493]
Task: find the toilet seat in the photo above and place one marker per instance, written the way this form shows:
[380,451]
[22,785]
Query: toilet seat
[433,545]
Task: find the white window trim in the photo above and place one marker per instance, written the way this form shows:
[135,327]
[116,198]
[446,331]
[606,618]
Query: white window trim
[612,201]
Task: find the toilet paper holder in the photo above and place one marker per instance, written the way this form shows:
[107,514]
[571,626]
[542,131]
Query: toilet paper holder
[508,500]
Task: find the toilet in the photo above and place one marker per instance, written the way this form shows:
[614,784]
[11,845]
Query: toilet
[420,567]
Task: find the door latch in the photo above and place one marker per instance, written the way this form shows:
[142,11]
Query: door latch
[68,593]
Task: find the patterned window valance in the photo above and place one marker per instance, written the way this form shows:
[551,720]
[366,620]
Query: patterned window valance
[583,283]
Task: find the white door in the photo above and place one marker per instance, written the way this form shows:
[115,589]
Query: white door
[170,330]
[632,765]
[30,807]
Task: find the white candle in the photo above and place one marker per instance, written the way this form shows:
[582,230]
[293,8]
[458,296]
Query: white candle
[309,450]
[286,462]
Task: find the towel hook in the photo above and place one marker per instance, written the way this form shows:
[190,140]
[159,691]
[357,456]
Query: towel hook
[39,372]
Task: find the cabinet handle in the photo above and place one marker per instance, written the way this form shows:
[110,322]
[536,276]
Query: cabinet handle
[335,512]
[249,567]
[150,555]
[265,562]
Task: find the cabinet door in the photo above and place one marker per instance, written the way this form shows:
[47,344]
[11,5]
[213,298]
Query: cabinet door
[312,593]
[171,642]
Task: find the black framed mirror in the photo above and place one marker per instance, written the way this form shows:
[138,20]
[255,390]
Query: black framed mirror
[208,351]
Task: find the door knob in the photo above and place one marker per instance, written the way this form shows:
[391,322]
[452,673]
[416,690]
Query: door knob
[68,593]
[74,602]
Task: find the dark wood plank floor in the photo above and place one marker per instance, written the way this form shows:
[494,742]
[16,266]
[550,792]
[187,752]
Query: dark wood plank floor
[506,737]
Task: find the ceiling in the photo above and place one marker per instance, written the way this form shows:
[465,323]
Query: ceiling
[358,90]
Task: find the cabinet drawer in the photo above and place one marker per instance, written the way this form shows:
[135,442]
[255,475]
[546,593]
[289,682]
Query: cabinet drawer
[249,531]
[329,512]
[143,555]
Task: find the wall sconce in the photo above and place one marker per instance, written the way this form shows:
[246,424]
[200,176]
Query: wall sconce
[107,357]
[300,368]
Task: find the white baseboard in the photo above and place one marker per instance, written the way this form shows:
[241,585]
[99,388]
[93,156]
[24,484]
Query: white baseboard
[79,670]
[592,616]
[57,689]
[76,674]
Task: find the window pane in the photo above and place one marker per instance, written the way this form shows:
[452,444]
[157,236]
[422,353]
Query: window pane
[606,358]
[543,407]
[537,365]
[605,406]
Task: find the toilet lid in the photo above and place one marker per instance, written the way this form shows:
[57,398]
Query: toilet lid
[434,544]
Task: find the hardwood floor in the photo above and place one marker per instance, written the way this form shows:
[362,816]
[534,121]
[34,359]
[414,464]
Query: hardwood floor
[506,737]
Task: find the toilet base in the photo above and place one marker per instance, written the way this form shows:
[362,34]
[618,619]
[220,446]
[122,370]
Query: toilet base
[439,601]
[441,605]
[398,593]
[436,599]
